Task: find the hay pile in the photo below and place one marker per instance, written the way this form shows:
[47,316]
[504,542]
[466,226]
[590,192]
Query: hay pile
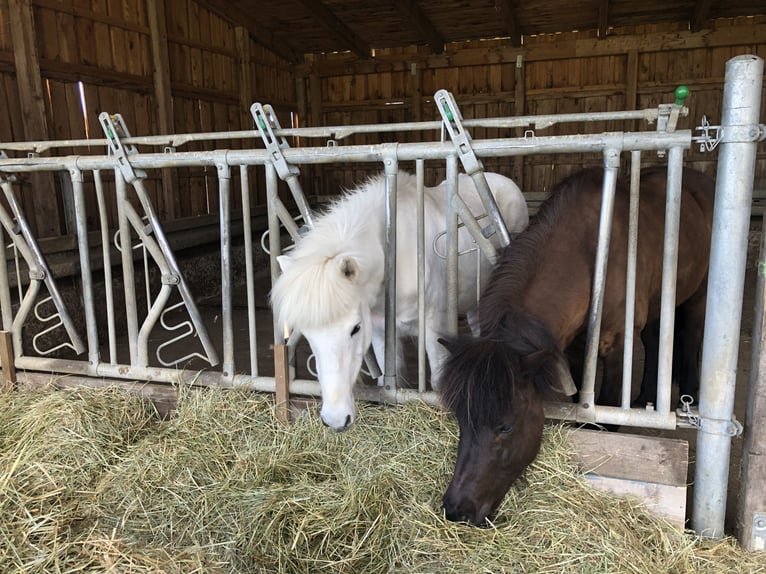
[93,482]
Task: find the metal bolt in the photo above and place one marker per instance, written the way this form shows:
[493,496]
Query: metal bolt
[760,523]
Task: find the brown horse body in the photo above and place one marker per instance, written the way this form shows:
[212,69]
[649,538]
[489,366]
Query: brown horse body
[536,304]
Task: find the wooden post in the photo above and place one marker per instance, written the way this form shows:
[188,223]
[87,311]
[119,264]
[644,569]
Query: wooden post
[6,361]
[163,99]
[41,201]
[282,382]
[751,518]
[631,85]
[245,74]
[416,95]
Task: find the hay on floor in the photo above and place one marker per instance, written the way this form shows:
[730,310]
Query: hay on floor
[96,483]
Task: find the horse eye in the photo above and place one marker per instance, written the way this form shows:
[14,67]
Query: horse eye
[356,329]
[505,429]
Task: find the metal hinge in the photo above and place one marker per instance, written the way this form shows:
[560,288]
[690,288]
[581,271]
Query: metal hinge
[713,135]
[688,417]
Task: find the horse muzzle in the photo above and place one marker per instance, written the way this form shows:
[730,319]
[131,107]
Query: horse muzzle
[339,428]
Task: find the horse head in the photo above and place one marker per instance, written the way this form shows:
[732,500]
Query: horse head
[495,386]
[332,311]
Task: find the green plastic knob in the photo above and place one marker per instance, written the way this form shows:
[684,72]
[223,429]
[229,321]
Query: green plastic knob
[681,93]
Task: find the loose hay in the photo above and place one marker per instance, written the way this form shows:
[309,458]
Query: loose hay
[96,483]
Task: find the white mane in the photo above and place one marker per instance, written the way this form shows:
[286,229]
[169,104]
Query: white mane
[314,290]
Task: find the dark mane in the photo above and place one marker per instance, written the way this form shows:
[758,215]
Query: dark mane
[469,379]
[518,262]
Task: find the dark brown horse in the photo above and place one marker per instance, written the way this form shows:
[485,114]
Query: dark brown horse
[536,304]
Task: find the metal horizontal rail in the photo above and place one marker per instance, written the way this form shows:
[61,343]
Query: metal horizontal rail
[340,132]
[501,147]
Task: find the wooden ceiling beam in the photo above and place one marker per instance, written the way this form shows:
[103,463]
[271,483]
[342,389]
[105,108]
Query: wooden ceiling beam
[331,22]
[511,20]
[603,19]
[700,14]
[422,24]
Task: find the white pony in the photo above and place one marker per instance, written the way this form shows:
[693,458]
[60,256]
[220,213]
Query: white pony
[331,286]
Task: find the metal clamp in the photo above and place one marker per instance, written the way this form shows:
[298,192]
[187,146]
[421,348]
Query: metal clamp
[4,176]
[689,417]
[452,122]
[711,135]
[115,129]
[667,116]
[266,121]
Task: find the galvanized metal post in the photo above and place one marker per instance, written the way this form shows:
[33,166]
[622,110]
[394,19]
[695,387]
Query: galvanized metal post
[391,168]
[734,190]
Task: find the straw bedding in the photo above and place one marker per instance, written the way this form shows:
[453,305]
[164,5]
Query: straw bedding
[92,481]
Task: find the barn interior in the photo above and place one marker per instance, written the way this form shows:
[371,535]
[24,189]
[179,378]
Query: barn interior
[197,66]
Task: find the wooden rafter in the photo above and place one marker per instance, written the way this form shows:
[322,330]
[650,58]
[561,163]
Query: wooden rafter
[603,18]
[511,19]
[425,28]
[700,14]
[331,22]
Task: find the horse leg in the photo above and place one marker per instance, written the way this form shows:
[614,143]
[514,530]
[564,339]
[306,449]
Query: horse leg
[650,337]
[690,325]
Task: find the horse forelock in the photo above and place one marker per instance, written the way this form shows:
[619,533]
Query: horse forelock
[479,381]
[313,293]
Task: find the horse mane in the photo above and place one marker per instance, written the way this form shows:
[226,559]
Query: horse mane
[313,291]
[483,374]
[519,261]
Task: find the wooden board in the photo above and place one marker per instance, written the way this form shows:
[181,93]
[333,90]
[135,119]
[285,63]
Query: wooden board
[652,469]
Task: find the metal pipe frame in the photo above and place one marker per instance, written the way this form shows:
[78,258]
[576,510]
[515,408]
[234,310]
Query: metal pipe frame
[733,198]
[630,279]
[733,194]
[587,393]
[649,115]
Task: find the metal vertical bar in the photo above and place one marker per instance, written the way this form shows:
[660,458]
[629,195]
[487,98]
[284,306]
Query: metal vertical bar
[669,278]
[587,393]
[275,241]
[421,240]
[128,270]
[224,218]
[731,218]
[630,278]
[5,287]
[107,256]
[81,226]
[452,245]
[247,229]
[389,368]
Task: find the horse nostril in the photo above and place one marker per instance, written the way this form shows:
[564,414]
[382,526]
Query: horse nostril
[348,421]
[324,423]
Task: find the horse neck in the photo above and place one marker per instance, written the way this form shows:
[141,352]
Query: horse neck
[531,286]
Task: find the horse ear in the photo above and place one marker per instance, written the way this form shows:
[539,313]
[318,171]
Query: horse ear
[562,381]
[350,268]
[564,377]
[285,262]
[447,344]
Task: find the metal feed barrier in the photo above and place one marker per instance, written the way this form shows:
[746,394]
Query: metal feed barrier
[126,166]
